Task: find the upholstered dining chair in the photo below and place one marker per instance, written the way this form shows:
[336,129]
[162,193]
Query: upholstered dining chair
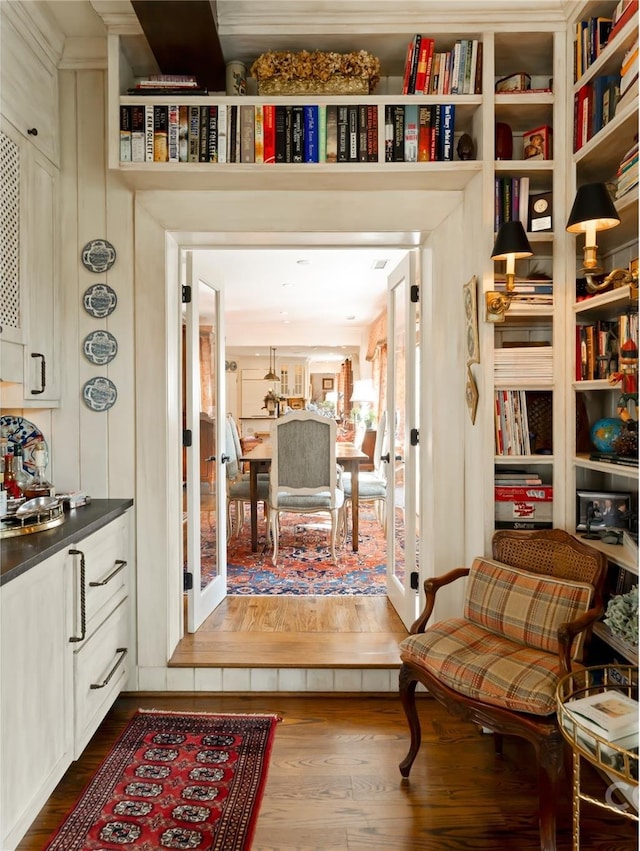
[304,473]
[372,484]
[238,485]
[528,613]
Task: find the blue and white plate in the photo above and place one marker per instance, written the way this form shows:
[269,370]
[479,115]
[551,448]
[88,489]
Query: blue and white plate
[100,347]
[99,393]
[100,300]
[98,255]
[21,431]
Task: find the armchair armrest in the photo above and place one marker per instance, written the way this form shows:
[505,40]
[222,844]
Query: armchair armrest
[431,587]
[568,631]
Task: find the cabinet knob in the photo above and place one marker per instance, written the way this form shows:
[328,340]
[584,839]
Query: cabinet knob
[32,131]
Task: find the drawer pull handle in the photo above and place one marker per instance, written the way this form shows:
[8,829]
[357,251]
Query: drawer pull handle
[123,651]
[83,597]
[121,564]
[43,373]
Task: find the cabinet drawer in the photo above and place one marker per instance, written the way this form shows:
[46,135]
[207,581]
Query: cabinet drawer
[104,555]
[100,672]
[29,97]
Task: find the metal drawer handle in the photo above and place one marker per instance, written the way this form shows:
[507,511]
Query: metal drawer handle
[83,598]
[43,373]
[121,564]
[123,651]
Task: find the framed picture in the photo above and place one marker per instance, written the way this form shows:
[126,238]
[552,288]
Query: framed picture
[603,511]
[327,383]
[536,144]
[471,320]
[471,395]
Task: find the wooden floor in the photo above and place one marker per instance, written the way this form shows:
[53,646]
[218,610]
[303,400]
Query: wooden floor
[330,631]
[334,783]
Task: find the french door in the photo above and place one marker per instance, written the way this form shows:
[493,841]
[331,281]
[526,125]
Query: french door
[204,478]
[403,458]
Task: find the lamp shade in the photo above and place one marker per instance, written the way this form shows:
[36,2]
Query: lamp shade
[592,204]
[272,375]
[511,240]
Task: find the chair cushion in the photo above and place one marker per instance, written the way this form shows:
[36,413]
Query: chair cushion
[240,489]
[486,666]
[367,489]
[524,607]
[308,502]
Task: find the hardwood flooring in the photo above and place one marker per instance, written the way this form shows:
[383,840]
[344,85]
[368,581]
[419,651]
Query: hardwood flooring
[332,631]
[334,783]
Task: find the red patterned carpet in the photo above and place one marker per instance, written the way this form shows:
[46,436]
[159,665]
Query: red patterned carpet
[304,561]
[175,780]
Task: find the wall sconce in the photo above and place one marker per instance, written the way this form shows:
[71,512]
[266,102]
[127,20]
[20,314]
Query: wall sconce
[511,245]
[272,375]
[592,210]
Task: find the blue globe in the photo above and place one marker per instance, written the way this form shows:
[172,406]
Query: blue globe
[604,432]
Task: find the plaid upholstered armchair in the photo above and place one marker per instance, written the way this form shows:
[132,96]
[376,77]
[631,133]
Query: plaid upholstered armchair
[528,612]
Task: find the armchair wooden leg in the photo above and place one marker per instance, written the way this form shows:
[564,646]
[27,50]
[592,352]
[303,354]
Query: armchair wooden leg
[549,767]
[408,698]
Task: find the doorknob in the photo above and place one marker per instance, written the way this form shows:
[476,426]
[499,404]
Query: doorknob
[386,458]
[210,458]
[224,458]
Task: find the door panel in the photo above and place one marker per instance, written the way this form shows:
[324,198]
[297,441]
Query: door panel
[205,528]
[403,458]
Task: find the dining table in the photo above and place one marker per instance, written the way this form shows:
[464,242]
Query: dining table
[258,459]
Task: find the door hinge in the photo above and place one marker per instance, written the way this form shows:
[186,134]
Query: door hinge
[414,436]
[413,579]
[187,437]
[186,294]
[187,580]
[415,293]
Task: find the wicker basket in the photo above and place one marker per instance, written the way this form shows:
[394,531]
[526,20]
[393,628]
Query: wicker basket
[338,84]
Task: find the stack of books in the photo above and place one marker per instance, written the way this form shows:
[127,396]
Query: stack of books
[535,290]
[167,84]
[627,174]
[612,716]
[518,363]
[629,76]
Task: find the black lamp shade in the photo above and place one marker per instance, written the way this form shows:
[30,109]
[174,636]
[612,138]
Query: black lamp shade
[592,204]
[511,239]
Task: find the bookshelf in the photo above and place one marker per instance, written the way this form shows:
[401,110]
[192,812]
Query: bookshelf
[593,397]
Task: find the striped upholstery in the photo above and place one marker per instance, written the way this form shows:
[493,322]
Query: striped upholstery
[524,607]
[486,666]
[505,649]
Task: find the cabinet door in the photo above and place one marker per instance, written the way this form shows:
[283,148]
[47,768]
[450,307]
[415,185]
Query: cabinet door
[13,252]
[36,717]
[41,366]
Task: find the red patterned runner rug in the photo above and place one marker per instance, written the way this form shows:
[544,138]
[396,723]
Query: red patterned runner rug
[175,780]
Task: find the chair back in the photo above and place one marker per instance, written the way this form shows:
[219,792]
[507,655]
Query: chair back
[235,432]
[232,468]
[378,449]
[304,456]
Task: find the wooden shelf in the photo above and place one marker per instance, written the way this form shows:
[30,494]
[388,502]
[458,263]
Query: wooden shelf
[626,650]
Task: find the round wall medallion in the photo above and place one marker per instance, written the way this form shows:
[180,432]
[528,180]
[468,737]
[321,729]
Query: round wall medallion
[99,393]
[100,300]
[98,255]
[100,347]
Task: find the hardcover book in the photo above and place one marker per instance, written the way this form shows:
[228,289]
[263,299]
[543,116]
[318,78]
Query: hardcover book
[148,133]
[297,134]
[398,134]
[447,124]
[125,134]
[259,133]
[203,145]
[354,133]
[372,133]
[194,134]
[332,133]
[311,132]
[411,133]
[212,135]
[343,134]
[247,133]
[609,714]
[138,134]
[183,134]
[222,134]
[174,122]
[269,122]
[280,133]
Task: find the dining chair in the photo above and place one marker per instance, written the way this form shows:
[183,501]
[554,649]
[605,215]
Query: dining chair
[238,484]
[372,485]
[304,474]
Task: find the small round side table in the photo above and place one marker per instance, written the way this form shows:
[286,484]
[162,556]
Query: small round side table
[617,766]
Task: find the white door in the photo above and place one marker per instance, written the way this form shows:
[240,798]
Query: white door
[403,452]
[204,405]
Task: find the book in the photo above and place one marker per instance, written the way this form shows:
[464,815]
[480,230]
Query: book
[415,58]
[343,134]
[609,714]
[212,134]
[424,134]
[627,11]
[388,134]
[353,133]
[447,124]
[363,125]
[259,133]
[203,144]
[174,123]
[183,133]
[322,133]
[194,134]
[247,133]
[297,134]
[411,133]
[269,119]
[138,133]
[311,134]
[407,68]
[222,134]
[398,134]
[125,134]
[280,131]
[426,51]
[372,133]
[332,133]
[148,133]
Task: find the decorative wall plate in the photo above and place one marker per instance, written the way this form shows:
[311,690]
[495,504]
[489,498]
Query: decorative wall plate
[100,347]
[98,255]
[19,430]
[100,300]
[99,393]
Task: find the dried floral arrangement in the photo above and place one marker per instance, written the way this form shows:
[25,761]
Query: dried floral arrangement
[317,66]
[622,615]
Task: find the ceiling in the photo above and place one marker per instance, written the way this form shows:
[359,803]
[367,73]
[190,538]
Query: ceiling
[334,294]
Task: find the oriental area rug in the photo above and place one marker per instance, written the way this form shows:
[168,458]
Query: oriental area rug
[175,780]
[304,563]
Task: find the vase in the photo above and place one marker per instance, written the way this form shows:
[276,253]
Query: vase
[504,141]
[236,78]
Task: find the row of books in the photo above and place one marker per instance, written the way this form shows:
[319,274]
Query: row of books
[591,36]
[452,72]
[415,133]
[627,174]
[511,423]
[598,346]
[248,133]
[594,105]
[629,75]
[513,202]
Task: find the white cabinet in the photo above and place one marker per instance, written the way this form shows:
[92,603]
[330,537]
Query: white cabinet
[36,722]
[65,652]
[30,310]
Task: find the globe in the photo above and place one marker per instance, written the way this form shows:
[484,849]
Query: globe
[604,432]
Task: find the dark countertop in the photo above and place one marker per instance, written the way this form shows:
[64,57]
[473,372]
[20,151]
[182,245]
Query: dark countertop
[19,554]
